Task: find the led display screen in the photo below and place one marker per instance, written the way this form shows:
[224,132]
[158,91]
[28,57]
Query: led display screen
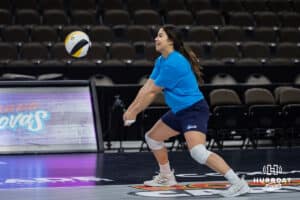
[47,119]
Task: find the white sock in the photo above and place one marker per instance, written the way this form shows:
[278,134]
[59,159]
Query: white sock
[232,177]
[165,168]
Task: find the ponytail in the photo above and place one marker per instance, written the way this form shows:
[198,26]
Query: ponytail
[191,56]
[186,51]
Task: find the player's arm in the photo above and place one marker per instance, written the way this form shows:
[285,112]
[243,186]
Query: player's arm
[143,99]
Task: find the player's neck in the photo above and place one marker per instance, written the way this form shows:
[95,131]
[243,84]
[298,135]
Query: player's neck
[167,52]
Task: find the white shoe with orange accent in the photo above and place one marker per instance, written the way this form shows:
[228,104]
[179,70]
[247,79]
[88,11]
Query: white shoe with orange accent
[162,180]
[237,189]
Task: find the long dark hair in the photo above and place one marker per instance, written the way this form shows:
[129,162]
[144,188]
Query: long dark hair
[175,36]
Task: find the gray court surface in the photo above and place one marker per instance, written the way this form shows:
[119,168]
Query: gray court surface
[111,176]
[114,192]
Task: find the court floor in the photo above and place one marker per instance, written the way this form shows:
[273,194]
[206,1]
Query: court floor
[271,173]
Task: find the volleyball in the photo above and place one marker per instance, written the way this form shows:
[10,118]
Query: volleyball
[77,44]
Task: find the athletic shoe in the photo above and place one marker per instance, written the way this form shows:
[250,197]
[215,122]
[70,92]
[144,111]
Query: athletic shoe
[162,180]
[236,189]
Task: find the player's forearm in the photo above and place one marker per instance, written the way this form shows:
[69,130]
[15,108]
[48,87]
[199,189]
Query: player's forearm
[136,99]
[142,101]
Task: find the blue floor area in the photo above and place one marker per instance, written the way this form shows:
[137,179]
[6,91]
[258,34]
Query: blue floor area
[89,169]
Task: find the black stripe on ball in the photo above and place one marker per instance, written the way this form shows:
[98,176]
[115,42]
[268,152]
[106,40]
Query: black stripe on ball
[79,45]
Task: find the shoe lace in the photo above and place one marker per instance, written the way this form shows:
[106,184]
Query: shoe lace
[160,178]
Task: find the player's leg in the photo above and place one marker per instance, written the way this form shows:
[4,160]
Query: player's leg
[214,161]
[196,144]
[155,138]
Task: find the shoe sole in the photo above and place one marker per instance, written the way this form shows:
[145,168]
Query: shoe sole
[244,190]
[159,185]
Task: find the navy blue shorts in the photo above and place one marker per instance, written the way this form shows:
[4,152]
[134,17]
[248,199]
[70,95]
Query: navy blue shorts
[192,118]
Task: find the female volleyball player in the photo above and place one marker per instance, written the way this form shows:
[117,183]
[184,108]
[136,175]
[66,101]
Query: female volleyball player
[177,73]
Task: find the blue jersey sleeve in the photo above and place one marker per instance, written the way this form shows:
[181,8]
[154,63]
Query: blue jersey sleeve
[155,71]
[168,76]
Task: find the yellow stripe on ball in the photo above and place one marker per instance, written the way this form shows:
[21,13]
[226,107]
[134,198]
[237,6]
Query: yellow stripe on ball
[77,53]
[68,38]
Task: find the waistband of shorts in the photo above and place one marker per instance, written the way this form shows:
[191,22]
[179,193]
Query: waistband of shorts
[201,101]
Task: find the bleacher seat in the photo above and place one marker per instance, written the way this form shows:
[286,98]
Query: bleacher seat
[27,17]
[101,34]
[134,5]
[229,116]
[289,35]
[5,17]
[201,34]
[231,34]
[51,5]
[116,17]
[179,17]
[147,17]
[84,17]
[44,34]
[55,17]
[241,19]
[15,33]
[209,18]
[265,119]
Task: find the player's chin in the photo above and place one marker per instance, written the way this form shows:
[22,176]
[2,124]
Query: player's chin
[157,48]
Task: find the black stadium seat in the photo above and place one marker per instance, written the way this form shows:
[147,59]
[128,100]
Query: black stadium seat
[134,5]
[34,51]
[201,34]
[122,51]
[44,34]
[255,5]
[147,17]
[139,34]
[116,17]
[84,17]
[196,5]
[15,33]
[257,50]
[241,19]
[265,119]
[27,17]
[168,5]
[231,34]
[179,17]
[264,34]
[231,5]
[55,17]
[289,98]
[101,34]
[8,52]
[209,18]
[267,18]
[279,5]
[5,4]
[290,19]
[51,4]
[5,17]
[82,5]
[28,4]
[110,4]
[229,116]
[289,35]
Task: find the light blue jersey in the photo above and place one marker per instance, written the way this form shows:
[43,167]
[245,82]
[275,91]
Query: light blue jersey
[176,76]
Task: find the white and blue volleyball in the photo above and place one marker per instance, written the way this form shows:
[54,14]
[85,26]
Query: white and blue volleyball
[77,44]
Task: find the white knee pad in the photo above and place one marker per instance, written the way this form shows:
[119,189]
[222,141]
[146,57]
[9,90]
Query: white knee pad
[200,153]
[153,144]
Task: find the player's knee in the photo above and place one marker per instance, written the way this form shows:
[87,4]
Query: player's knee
[153,144]
[200,153]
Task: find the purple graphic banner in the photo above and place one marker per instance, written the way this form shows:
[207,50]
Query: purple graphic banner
[43,119]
